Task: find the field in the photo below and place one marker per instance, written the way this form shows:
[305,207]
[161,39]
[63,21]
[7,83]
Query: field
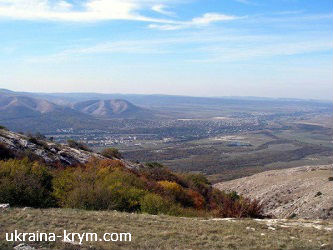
[284,143]
[165,232]
[224,139]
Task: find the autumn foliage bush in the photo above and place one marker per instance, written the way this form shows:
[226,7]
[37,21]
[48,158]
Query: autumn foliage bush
[108,185]
[25,183]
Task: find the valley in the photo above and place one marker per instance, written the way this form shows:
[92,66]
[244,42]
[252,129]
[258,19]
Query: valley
[224,138]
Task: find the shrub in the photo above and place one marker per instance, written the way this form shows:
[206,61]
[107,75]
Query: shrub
[172,187]
[124,178]
[40,136]
[153,165]
[33,140]
[199,183]
[157,172]
[177,193]
[38,140]
[3,127]
[197,199]
[234,196]
[108,184]
[196,180]
[5,153]
[224,205]
[99,185]
[25,183]
[78,145]
[154,204]
[318,194]
[111,153]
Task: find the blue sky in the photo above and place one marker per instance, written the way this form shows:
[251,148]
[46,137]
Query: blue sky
[273,48]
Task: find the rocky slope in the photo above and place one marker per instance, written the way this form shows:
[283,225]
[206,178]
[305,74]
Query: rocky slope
[49,151]
[302,192]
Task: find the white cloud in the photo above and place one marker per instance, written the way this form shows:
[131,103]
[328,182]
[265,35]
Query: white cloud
[211,17]
[123,47]
[204,20]
[99,10]
[162,9]
[208,47]
[62,10]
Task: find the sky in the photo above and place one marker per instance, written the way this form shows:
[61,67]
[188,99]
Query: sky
[267,48]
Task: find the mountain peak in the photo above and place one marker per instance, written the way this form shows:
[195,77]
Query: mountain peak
[108,108]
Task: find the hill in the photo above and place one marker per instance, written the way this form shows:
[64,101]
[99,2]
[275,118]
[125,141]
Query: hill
[36,113]
[114,108]
[19,145]
[13,106]
[39,173]
[25,113]
[89,181]
[302,192]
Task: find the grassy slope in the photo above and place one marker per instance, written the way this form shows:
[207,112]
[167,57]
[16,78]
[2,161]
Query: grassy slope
[289,191]
[165,232]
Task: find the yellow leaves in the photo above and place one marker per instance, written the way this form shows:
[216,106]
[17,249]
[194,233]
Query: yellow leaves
[171,186]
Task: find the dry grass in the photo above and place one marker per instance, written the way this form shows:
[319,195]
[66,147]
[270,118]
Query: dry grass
[289,192]
[166,232]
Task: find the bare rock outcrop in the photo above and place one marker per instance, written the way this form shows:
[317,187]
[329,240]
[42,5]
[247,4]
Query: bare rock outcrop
[49,151]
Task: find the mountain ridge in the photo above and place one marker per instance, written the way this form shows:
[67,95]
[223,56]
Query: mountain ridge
[21,112]
[110,108]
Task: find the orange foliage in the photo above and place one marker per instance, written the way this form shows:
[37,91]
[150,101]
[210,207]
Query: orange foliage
[198,199]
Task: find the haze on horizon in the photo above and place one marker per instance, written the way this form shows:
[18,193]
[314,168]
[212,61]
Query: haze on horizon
[180,47]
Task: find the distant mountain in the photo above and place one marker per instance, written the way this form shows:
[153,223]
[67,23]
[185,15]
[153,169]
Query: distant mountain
[114,108]
[25,113]
[156,101]
[13,105]
[22,111]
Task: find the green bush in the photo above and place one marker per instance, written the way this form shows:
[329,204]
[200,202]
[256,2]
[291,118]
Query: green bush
[125,198]
[99,187]
[198,182]
[78,145]
[111,153]
[154,204]
[3,127]
[234,196]
[25,183]
[177,193]
[157,172]
[124,178]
